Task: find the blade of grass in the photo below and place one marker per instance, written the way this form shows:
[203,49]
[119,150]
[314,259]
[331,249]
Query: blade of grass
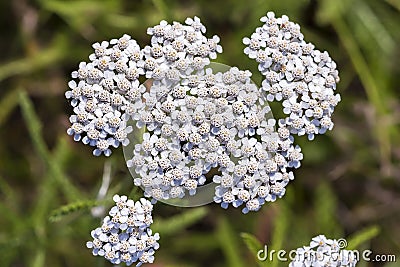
[35,130]
[36,62]
[9,193]
[39,259]
[162,8]
[362,236]
[122,21]
[281,227]
[253,245]
[394,3]
[80,15]
[360,65]
[9,216]
[7,104]
[374,25]
[228,243]
[46,195]
[372,88]
[61,151]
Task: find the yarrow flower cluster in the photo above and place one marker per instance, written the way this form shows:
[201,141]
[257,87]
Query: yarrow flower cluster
[296,73]
[125,235]
[199,120]
[103,90]
[221,124]
[324,252]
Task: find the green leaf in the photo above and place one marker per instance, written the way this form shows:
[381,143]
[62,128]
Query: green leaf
[79,14]
[394,3]
[281,227]
[364,235]
[374,87]
[253,244]
[34,126]
[374,25]
[7,104]
[36,62]
[9,193]
[229,243]
[39,258]
[162,8]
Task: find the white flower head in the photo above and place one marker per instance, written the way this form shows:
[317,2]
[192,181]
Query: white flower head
[125,235]
[106,85]
[295,72]
[199,123]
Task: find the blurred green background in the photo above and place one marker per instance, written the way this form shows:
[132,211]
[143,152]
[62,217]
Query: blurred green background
[349,185]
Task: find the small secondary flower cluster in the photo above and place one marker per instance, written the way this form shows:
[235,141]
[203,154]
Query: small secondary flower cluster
[324,252]
[295,72]
[125,235]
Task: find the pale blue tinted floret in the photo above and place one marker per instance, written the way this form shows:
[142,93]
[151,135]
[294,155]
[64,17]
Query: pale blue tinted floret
[324,252]
[75,93]
[124,235]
